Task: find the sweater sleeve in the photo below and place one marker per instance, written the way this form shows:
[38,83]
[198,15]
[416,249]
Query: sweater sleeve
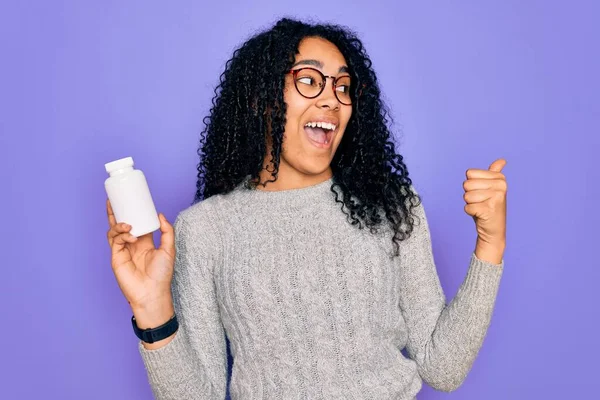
[194,364]
[444,339]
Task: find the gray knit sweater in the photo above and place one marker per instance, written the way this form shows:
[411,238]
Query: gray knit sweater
[314,308]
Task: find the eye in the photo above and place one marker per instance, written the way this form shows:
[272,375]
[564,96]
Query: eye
[307,80]
[343,84]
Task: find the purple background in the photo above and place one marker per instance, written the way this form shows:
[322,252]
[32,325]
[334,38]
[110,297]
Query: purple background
[84,84]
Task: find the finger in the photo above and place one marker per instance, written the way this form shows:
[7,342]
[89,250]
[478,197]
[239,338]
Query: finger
[474,173]
[116,230]
[473,209]
[120,241]
[497,165]
[111,216]
[478,196]
[121,257]
[483,184]
[167,237]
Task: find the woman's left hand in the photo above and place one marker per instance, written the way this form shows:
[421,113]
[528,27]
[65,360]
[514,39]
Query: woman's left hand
[485,195]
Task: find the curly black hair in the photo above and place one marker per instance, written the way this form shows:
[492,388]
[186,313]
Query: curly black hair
[371,178]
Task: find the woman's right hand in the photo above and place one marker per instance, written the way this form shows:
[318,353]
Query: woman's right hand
[143,272]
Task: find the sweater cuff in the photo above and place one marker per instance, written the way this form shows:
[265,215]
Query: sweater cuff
[483,278]
[155,360]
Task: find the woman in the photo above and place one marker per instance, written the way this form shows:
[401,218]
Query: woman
[302,246]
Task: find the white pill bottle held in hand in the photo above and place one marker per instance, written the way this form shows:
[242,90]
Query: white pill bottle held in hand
[130,197]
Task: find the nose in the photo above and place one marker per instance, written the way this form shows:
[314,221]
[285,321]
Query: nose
[327,98]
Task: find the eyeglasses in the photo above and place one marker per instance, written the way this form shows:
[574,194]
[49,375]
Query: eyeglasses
[310,83]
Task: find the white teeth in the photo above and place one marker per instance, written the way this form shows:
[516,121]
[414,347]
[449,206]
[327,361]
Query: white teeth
[324,125]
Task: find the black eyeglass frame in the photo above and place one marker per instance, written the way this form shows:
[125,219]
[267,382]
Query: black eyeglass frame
[324,77]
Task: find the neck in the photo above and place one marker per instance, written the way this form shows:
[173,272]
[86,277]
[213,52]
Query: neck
[290,178]
[308,200]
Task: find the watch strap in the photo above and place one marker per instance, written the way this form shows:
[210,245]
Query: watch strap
[152,335]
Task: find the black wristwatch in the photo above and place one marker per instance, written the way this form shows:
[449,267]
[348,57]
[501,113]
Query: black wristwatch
[152,335]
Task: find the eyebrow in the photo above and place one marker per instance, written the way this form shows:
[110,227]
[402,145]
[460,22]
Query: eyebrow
[319,64]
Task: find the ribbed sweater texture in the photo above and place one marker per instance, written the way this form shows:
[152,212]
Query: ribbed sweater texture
[313,306]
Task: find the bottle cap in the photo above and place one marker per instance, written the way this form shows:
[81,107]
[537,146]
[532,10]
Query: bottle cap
[118,164]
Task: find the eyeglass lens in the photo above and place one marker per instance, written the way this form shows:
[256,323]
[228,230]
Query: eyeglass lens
[310,83]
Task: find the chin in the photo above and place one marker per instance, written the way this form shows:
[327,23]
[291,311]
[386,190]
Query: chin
[316,168]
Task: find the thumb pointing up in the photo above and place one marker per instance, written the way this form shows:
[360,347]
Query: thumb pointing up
[497,165]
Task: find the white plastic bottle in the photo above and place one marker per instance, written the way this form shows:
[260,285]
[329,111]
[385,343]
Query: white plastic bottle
[130,197]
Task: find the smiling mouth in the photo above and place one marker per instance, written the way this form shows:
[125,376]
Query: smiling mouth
[320,135]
